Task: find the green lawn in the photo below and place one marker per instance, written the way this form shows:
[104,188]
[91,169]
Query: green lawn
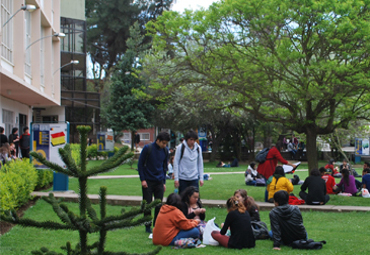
[344,232]
[220,187]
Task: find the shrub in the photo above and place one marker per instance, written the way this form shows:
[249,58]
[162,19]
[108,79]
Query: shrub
[18,179]
[45,177]
[92,151]
[75,148]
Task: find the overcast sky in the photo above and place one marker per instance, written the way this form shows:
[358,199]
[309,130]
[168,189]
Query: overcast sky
[181,5]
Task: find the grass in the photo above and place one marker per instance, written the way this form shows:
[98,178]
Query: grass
[344,233]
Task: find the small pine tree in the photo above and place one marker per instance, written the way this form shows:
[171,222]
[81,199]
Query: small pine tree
[87,221]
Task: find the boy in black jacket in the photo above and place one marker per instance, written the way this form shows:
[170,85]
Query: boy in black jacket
[286,221]
[316,189]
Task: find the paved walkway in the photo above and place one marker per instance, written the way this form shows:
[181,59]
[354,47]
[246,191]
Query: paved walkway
[136,200]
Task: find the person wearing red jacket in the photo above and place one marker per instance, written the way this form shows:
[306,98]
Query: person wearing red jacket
[329,181]
[267,168]
[172,225]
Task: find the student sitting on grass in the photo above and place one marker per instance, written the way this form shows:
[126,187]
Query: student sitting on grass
[286,221]
[279,182]
[366,178]
[316,189]
[329,181]
[172,225]
[347,184]
[249,204]
[239,221]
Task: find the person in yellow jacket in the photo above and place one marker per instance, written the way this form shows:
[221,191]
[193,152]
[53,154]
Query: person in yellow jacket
[279,182]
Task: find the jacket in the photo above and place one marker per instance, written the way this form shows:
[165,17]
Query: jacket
[190,166]
[286,225]
[267,168]
[170,221]
[316,189]
[282,184]
[24,141]
[185,211]
[156,164]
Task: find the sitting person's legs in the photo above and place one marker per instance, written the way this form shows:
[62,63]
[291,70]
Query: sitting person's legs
[222,239]
[191,233]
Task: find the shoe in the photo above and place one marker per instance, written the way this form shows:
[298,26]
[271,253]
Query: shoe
[148,230]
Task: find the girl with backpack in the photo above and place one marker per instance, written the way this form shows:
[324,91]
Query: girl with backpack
[239,221]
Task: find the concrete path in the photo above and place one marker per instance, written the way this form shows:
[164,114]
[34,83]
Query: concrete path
[137,175]
[136,200]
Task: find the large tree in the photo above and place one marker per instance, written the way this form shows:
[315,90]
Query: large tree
[304,64]
[125,110]
[108,24]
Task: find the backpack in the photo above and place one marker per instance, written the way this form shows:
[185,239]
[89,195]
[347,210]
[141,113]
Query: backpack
[260,230]
[261,156]
[150,146]
[183,149]
[307,244]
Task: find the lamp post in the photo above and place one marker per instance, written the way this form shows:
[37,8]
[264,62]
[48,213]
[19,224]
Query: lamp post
[60,35]
[73,62]
[27,7]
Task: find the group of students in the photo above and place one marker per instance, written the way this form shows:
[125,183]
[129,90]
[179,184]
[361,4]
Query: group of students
[183,217]
[9,146]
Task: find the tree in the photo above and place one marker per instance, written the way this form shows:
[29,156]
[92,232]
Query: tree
[87,221]
[108,24]
[125,110]
[300,63]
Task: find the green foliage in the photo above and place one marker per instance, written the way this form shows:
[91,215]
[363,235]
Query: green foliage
[86,221]
[45,177]
[18,179]
[300,63]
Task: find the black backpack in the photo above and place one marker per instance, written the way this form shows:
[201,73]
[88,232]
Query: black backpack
[307,244]
[260,230]
[261,156]
[182,151]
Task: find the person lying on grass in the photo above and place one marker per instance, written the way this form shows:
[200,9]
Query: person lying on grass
[172,225]
[239,221]
[286,221]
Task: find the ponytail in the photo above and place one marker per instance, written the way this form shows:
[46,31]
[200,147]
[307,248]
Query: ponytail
[233,204]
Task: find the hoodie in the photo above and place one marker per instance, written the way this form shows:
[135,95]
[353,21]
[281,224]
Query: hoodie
[286,225]
[190,167]
[170,221]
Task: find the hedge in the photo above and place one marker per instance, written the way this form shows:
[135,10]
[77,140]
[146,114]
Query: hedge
[45,177]
[92,152]
[18,179]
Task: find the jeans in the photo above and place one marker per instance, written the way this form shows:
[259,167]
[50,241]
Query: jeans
[154,188]
[191,233]
[184,184]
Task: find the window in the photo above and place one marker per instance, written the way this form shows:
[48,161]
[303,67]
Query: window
[27,64]
[126,138]
[7,31]
[8,121]
[42,60]
[144,136]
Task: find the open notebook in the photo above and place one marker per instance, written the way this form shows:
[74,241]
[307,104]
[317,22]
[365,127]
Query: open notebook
[288,168]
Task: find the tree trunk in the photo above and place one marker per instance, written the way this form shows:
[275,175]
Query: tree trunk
[311,148]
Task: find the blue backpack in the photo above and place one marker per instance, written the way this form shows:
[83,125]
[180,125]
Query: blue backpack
[261,156]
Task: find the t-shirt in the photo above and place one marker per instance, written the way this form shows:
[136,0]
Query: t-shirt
[366,180]
[330,182]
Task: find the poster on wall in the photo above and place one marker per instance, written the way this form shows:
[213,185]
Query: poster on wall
[202,132]
[362,146]
[46,139]
[105,141]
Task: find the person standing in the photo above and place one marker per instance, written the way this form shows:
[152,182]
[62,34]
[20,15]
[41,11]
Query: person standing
[188,163]
[24,143]
[136,140]
[152,167]
[3,138]
[14,138]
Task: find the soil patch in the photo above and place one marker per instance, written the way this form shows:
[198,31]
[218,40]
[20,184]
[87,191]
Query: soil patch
[6,227]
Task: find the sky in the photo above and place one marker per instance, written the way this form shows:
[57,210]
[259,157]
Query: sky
[181,5]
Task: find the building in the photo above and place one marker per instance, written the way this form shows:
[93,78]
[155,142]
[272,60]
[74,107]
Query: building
[30,63]
[81,106]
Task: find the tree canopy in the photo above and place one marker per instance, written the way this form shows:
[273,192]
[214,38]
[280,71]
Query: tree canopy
[304,64]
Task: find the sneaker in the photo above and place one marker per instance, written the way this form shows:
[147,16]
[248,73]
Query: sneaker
[148,229]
